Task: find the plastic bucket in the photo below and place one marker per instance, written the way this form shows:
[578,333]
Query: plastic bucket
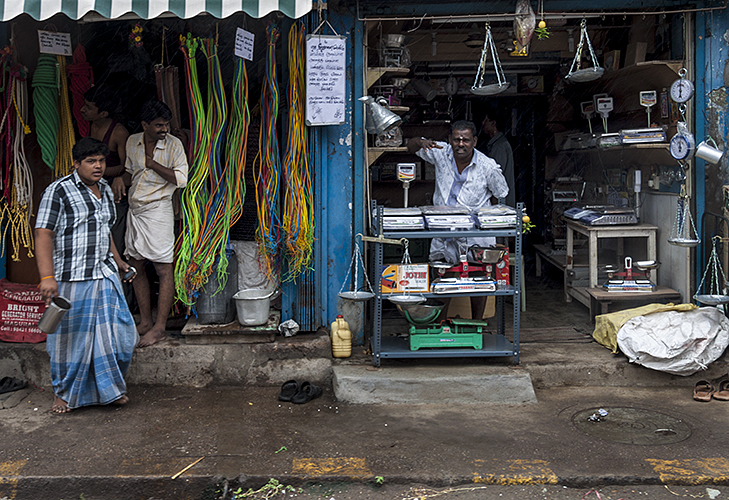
[253,305]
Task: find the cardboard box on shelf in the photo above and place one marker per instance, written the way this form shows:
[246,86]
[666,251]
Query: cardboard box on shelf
[400,278]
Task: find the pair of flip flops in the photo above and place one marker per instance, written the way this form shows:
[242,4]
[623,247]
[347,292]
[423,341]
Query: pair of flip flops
[705,391]
[293,392]
[9,384]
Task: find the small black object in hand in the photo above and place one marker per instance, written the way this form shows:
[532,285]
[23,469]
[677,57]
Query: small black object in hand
[131,273]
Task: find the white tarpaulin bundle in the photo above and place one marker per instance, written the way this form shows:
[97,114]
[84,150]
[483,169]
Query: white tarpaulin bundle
[680,343]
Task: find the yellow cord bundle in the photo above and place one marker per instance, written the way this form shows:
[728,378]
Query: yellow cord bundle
[66,136]
[297,222]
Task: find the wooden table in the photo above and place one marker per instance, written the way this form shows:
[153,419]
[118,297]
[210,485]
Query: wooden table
[600,298]
[594,233]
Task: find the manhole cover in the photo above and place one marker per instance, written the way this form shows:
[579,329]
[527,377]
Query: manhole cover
[631,426]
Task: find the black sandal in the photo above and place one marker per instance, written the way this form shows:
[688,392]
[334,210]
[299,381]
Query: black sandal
[306,393]
[288,390]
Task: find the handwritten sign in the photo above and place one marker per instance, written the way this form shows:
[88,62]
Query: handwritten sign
[244,44]
[55,43]
[325,79]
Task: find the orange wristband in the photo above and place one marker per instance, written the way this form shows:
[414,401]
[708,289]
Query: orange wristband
[47,278]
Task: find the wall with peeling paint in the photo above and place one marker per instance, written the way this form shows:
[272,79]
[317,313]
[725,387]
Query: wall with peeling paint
[713,108]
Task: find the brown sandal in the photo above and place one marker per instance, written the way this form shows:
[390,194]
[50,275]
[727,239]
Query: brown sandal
[703,390]
[723,393]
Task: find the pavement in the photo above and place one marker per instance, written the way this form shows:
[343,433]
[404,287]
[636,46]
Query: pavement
[240,435]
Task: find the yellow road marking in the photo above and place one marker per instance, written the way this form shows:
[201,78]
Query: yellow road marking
[692,470]
[348,466]
[513,472]
[8,477]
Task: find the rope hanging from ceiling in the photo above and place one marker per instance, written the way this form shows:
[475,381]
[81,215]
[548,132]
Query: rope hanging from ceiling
[45,96]
[66,137]
[17,201]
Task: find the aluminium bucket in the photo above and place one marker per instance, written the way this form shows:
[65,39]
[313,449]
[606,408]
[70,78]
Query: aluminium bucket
[253,305]
[216,307]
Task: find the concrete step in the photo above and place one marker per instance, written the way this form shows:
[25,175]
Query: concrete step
[308,357]
[432,385]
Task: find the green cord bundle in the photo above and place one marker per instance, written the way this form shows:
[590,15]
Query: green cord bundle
[45,100]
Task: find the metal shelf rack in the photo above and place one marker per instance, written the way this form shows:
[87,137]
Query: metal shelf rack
[494,345]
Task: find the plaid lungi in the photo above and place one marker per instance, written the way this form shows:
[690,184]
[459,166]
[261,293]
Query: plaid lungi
[93,345]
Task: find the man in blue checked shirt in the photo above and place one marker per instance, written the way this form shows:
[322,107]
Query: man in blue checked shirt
[92,347]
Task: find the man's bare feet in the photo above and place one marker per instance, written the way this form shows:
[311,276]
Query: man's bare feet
[143,328]
[121,401]
[59,405]
[152,337]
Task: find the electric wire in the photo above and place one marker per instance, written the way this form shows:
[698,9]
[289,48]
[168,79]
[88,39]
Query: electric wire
[297,224]
[212,200]
[267,166]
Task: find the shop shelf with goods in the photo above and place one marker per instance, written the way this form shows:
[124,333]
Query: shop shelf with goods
[494,344]
[602,173]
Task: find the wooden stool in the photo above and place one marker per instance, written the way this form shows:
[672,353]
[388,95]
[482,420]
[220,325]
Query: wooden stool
[603,298]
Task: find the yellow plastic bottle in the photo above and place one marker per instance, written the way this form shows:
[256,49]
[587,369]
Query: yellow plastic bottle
[341,338]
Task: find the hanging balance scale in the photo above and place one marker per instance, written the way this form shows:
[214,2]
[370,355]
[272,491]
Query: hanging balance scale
[683,232]
[714,295]
[682,145]
[587,74]
[356,294]
[479,87]
[682,89]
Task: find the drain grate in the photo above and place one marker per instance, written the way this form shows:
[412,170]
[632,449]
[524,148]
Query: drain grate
[631,426]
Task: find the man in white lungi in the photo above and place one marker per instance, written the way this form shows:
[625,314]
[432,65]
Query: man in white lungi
[157,165]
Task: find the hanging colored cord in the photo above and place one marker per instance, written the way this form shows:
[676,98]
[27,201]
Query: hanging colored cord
[66,135]
[237,141]
[267,166]
[82,78]
[212,198]
[45,96]
[17,203]
[21,205]
[298,211]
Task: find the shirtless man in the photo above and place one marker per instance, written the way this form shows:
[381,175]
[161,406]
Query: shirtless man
[100,108]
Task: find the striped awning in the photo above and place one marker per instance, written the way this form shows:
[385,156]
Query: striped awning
[150,9]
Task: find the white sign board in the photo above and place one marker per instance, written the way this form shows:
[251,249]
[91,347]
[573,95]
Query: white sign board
[325,79]
[244,44]
[55,43]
